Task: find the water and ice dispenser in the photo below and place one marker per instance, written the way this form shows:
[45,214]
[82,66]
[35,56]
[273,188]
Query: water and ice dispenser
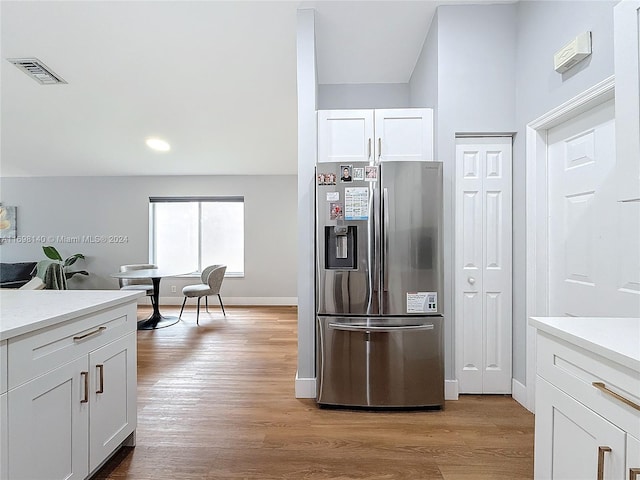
[341,247]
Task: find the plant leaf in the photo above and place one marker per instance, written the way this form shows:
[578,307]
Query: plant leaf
[52,253]
[72,259]
[68,275]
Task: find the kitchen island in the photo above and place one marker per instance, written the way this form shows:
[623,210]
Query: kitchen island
[587,397]
[68,380]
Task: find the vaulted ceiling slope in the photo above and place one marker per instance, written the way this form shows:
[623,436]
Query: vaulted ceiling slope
[216,79]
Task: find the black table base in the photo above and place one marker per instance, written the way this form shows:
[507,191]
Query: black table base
[157,321]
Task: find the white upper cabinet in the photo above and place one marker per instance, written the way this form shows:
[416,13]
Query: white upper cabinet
[627,66]
[348,136]
[345,136]
[404,134]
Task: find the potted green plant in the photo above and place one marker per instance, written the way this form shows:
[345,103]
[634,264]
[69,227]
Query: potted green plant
[53,254]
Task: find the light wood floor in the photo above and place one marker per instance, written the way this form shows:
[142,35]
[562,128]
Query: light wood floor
[217,402]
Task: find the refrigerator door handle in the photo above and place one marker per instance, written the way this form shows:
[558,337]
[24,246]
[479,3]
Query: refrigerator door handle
[374,281]
[365,328]
[385,240]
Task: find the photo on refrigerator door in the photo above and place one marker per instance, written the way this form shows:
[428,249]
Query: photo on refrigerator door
[345,173]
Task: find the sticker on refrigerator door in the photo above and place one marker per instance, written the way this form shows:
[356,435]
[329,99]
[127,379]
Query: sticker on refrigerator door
[336,211]
[371,173]
[333,196]
[358,173]
[422,302]
[326,178]
[356,203]
[345,173]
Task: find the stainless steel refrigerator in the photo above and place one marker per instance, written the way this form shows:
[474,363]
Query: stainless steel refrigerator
[379,284]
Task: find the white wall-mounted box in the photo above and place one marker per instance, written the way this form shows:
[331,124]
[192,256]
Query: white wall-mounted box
[573,52]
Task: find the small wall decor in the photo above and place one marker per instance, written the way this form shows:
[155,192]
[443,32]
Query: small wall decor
[7,222]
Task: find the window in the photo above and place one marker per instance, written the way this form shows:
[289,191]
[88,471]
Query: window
[189,233]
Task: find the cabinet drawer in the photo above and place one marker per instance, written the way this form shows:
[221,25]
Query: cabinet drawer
[574,370]
[34,354]
[3,366]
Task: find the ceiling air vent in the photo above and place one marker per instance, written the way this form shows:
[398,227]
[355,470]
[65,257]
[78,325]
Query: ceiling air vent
[37,70]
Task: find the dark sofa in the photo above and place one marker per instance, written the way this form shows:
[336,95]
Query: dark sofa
[14,275]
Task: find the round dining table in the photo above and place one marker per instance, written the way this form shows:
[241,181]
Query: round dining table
[156,320]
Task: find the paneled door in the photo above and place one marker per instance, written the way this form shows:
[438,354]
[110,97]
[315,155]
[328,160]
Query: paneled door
[483,275]
[594,259]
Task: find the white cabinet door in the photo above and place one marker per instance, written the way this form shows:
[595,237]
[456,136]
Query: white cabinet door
[49,424]
[345,136]
[572,440]
[633,458]
[4,437]
[113,397]
[348,136]
[404,134]
[483,265]
[3,367]
[627,65]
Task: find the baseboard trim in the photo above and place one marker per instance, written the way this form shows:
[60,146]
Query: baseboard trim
[305,387]
[519,393]
[451,390]
[231,301]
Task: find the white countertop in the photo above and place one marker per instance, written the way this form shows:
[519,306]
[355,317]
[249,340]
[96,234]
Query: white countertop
[617,339]
[23,311]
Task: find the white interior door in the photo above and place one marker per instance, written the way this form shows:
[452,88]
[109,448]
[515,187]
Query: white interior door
[594,259]
[483,278]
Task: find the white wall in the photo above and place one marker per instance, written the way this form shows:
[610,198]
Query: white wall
[423,85]
[493,66]
[363,95]
[307,104]
[90,206]
[544,28]
[467,69]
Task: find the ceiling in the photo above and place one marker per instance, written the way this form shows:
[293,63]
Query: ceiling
[216,79]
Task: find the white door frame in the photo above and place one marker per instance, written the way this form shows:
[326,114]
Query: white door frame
[537,240]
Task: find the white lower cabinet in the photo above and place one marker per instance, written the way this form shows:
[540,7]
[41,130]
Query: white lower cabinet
[71,400]
[587,421]
[49,422]
[3,437]
[112,411]
[573,442]
[633,458]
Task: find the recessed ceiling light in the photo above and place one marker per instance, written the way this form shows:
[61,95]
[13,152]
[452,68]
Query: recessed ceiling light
[158,144]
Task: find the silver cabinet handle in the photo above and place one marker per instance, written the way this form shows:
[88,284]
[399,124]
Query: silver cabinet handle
[603,388]
[471,280]
[100,378]
[369,149]
[80,337]
[365,328]
[601,452]
[86,387]
[379,148]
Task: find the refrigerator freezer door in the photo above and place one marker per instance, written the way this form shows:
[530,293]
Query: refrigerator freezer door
[381,362]
[411,221]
